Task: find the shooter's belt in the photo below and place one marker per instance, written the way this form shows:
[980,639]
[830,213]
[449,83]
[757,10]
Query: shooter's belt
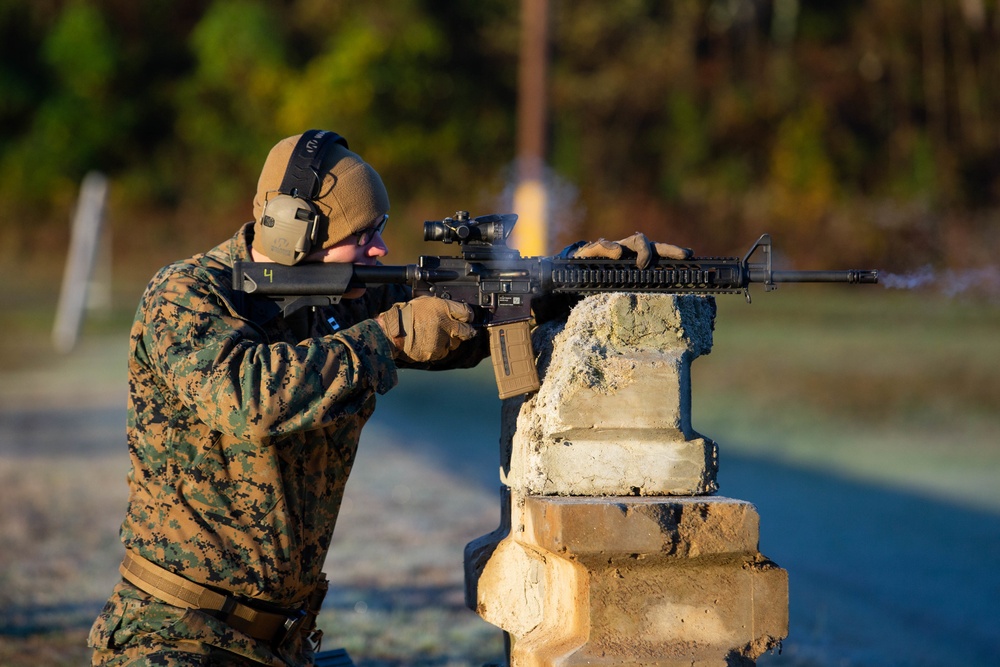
[273,626]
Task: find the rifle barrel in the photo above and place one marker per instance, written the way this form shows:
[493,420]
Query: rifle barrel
[851,276]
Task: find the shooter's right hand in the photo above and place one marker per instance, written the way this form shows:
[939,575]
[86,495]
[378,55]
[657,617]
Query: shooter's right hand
[427,328]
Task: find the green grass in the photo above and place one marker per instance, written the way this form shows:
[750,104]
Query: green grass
[895,387]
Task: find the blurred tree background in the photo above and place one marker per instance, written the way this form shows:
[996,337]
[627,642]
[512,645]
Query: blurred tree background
[860,131]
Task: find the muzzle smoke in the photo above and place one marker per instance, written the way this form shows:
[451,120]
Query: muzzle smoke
[984,281]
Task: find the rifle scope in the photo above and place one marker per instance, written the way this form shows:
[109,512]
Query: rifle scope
[484,230]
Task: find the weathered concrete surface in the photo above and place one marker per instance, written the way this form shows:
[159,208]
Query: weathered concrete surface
[630,581]
[613,415]
[610,550]
[685,527]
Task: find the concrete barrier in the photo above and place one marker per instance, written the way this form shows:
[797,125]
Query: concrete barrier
[611,549]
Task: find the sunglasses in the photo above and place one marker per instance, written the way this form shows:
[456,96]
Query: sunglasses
[366,236]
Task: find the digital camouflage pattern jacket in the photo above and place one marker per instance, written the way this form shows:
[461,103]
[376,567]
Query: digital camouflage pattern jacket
[241,435]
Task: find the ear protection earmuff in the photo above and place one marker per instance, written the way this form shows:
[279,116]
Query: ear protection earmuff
[289,223]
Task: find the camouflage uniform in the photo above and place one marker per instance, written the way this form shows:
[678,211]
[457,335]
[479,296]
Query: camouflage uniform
[241,435]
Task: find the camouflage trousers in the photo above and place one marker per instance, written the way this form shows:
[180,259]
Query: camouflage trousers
[137,630]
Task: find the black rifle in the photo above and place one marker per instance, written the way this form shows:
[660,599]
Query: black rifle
[501,285]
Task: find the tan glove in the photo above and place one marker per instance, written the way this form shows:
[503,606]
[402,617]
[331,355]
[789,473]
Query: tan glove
[426,328]
[636,245]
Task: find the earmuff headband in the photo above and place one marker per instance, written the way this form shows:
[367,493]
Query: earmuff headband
[302,175]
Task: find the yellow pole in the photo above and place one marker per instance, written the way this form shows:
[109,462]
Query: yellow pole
[530,198]
[531,205]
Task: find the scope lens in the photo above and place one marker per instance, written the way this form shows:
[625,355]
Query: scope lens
[436,231]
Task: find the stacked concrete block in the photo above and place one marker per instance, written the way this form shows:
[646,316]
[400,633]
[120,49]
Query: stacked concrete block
[611,550]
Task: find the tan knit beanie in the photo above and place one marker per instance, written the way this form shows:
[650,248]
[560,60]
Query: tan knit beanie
[351,198]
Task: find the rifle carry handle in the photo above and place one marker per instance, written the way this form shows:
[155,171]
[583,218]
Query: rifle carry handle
[513,358]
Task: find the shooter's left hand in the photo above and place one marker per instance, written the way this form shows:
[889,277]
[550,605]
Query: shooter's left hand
[637,246]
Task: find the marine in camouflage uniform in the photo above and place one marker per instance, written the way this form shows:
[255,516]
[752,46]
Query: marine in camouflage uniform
[242,431]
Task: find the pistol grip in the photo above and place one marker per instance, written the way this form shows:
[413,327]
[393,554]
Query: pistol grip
[513,358]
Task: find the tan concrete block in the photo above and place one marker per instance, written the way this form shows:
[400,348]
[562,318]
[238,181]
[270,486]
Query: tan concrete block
[643,390]
[619,463]
[704,612]
[630,581]
[626,529]
[535,597]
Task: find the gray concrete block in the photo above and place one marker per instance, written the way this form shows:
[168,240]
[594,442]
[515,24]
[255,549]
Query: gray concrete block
[612,416]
